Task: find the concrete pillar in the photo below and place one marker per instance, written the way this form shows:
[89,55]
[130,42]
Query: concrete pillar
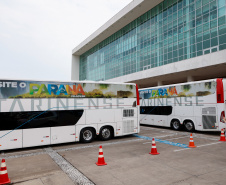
[159,83]
[75,67]
[190,78]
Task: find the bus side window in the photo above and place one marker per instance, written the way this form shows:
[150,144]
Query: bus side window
[156,110]
[39,119]
[166,110]
[72,117]
[8,121]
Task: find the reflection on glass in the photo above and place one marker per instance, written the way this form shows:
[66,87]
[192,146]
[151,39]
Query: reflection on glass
[172,31]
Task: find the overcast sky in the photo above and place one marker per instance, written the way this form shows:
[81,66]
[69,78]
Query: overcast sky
[37,36]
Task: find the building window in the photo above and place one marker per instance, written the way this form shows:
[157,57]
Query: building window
[172,31]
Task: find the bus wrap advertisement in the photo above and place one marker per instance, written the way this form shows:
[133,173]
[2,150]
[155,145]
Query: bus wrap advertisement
[189,90]
[36,89]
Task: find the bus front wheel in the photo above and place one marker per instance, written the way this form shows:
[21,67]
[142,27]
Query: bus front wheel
[189,126]
[87,135]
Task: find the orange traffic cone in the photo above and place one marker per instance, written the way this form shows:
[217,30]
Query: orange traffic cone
[191,143]
[153,148]
[222,138]
[101,161]
[4,179]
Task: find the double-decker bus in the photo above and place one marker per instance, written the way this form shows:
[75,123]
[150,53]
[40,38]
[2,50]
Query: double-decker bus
[198,105]
[34,113]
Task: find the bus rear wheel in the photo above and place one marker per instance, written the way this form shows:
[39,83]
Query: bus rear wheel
[87,135]
[189,126]
[175,124]
[105,133]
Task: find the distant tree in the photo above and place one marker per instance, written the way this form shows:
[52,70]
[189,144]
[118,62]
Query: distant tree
[104,86]
[130,87]
[208,85]
[186,88]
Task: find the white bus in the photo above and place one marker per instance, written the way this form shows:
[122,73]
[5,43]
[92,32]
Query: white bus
[196,105]
[34,113]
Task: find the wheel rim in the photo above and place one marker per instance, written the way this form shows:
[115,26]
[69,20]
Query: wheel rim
[189,126]
[105,133]
[176,125]
[87,135]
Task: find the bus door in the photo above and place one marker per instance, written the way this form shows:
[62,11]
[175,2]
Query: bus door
[36,130]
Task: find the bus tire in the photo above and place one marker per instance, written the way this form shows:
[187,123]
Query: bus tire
[175,124]
[87,135]
[189,126]
[106,133]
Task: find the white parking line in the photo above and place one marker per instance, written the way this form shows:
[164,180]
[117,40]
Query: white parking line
[181,149]
[197,146]
[167,135]
[210,138]
[209,144]
[160,137]
[177,138]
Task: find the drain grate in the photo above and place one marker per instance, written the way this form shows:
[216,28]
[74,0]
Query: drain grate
[76,176]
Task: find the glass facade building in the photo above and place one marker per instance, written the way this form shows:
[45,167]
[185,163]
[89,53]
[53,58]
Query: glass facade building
[172,31]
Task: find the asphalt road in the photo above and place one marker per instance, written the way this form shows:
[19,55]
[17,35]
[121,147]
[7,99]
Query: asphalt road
[128,161]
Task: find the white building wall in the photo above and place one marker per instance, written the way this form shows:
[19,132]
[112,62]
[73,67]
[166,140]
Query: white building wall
[75,67]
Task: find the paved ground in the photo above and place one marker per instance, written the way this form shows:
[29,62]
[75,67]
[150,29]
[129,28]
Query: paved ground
[128,161]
